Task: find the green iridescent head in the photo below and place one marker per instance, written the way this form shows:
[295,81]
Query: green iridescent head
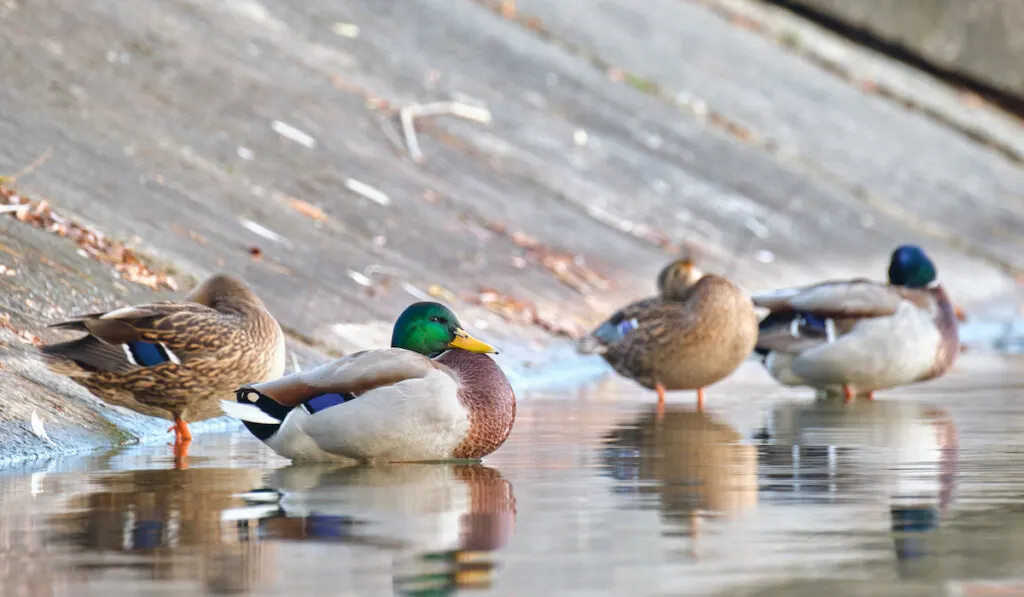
[430,329]
[910,266]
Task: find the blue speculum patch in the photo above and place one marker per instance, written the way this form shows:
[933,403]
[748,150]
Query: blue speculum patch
[148,355]
[610,333]
[325,401]
[813,322]
[626,326]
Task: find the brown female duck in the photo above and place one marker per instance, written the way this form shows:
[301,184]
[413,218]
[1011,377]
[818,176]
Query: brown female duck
[695,333]
[174,359]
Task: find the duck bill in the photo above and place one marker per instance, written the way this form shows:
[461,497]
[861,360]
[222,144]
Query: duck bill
[466,342]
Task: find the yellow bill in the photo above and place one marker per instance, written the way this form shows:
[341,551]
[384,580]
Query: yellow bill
[466,342]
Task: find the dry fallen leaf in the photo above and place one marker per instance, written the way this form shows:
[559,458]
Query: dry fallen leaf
[91,243]
[22,335]
[521,311]
[307,209]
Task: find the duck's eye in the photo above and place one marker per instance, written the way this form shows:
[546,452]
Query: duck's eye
[435,319]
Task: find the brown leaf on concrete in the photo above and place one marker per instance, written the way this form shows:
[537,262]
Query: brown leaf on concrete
[91,243]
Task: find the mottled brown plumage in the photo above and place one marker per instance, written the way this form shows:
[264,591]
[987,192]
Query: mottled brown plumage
[686,343]
[218,337]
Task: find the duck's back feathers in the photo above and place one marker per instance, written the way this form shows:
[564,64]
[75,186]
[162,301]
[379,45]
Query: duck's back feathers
[147,335]
[859,298]
[355,374]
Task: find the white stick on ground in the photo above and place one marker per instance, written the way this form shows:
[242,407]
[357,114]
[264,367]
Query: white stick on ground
[409,114]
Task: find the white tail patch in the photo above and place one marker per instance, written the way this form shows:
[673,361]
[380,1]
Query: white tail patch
[247,412]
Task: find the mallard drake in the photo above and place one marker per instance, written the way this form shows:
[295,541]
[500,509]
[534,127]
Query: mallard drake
[696,332]
[858,336]
[434,395]
[174,359]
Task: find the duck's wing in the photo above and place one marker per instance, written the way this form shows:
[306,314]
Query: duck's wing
[350,375]
[618,326]
[789,333]
[858,298]
[145,336]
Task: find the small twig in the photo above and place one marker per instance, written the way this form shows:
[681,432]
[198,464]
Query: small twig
[39,161]
[6,209]
[410,113]
[367,192]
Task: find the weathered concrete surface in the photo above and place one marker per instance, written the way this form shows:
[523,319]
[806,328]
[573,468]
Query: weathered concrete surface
[857,153]
[980,39]
[153,111]
[865,68]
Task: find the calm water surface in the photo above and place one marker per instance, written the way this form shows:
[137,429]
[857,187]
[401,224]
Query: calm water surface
[768,493]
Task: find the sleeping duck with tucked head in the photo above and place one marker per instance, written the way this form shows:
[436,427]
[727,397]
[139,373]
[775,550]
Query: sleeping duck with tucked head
[696,332]
[434,395]
[858,336]
[174,359]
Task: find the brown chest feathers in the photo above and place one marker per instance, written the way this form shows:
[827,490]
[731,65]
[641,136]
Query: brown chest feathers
[949,331]
[487,396]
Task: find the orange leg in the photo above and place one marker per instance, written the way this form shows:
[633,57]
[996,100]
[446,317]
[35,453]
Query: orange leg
[661,398]
[182,440]
[848,394]
[700,399]
[661,393]
[871,395]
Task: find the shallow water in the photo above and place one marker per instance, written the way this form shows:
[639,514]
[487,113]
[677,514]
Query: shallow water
[768,493]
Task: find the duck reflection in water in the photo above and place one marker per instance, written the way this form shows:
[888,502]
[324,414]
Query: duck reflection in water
[906,452]
[171,518]
[439,521]
[698,465]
